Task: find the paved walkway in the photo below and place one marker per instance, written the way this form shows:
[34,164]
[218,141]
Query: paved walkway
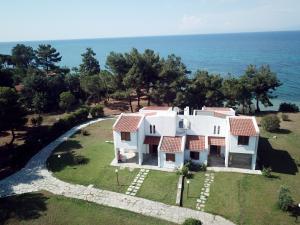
[137,182]
[209,178]
[35,177]
[233,170]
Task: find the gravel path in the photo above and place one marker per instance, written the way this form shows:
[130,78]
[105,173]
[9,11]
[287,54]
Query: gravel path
[35,177]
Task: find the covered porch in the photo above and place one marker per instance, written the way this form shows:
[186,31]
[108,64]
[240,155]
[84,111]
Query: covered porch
[151,155]
[216,154]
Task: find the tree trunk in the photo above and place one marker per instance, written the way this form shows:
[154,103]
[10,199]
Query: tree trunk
[138,101]
[13,137]
[148,95]
[257,104]
[130,104]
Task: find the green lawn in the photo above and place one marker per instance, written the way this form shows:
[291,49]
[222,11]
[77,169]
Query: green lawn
[251,199]
[160,186]
[195,186]
[47,209]
[86,160]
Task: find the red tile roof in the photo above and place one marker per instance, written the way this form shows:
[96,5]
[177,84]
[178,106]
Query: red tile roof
[156,108]
[171,144]
[242,126]
[219,141]
[195,143]
[151,140]
[127,123]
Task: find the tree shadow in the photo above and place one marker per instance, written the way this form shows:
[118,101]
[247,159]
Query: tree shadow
[283,131]
[66,155]
[279,160]
[22,207]
[294,211]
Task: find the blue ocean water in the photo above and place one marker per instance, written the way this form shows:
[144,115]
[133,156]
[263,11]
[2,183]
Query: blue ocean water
[217,53]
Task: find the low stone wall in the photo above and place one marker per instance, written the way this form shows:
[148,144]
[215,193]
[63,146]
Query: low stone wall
[179,191]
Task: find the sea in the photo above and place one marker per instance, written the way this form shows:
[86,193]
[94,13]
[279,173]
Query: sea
[217,53]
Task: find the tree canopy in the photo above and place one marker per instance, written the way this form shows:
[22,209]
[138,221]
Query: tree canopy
[47,58]
[90,65]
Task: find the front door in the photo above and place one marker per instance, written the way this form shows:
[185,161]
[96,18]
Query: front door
[215,150]
[153,149]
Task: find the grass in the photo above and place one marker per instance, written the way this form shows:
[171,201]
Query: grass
[160,186]
[86,160]
[47,209]
[252,199]
[196,184]
[244,199]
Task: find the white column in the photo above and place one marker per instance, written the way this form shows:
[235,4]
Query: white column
[226,157]
[140,157]
[253,163]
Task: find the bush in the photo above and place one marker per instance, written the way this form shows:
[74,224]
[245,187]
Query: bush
[284,198]
[192,221]
[81,114]
[285,117]
[270,123]
[183,171]
[66,100]
[85,133]
[288,107]
[36,121]
[97,111]
[267,172]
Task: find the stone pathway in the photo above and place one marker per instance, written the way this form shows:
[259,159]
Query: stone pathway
[35,177]
[209,178]
[137,182]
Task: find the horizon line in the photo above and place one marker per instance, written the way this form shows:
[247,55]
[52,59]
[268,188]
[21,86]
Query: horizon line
[148,36]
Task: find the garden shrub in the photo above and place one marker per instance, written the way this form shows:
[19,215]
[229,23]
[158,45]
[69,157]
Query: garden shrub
[81,114]
[284,198]
[191,221]
[285,117]
[66,100]
[97,111]
[183,171]
[267,172]
[85,133]
[270,123]
[288,107]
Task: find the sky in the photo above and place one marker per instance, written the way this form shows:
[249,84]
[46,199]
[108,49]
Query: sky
[23,20]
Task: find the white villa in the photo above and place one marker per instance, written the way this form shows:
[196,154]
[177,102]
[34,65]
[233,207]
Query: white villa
[166,138]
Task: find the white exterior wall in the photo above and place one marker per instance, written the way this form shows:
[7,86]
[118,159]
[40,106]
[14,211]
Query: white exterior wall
[202,157]
[165,125]
[179,160]
[125,145]
[204,125]
[247,149]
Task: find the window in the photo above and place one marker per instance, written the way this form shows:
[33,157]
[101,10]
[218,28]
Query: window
[125,136]
[218,129]
[243,140]
[214,129]
[170,157]
[194,155]
[152,129]
[180,124]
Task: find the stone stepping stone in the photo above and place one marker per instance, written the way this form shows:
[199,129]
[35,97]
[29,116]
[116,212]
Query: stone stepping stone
[127,193]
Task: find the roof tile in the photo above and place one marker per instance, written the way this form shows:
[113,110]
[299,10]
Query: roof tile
[242,126]
[195,143]
[127,123]
[171,144]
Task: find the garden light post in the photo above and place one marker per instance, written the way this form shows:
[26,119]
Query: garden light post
[117,173]
[188,186]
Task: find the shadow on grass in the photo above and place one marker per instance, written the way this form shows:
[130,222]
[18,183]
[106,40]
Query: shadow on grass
[65,156]
[22,207]
[283,131]
[279,160]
